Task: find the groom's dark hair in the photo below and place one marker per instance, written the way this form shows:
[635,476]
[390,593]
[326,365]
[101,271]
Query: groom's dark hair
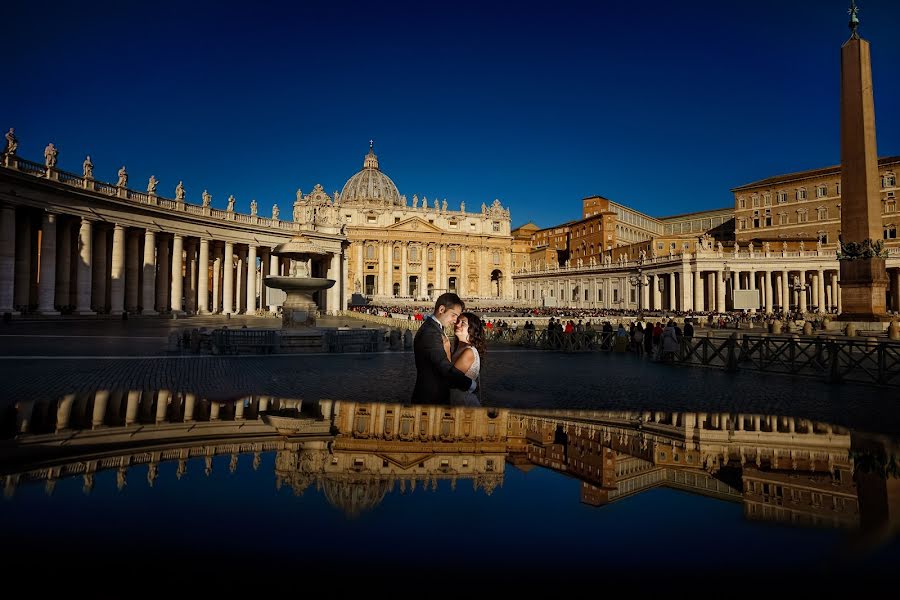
[449,300]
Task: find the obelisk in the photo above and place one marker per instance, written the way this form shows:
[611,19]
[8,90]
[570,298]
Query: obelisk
[863,276]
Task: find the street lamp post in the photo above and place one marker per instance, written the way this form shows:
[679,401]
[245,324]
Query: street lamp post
[636,279]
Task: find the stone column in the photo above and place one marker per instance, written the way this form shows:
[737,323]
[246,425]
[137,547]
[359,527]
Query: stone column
[190,276]
[820,288]
[190,401]
[22,288]
[64,411]
[240,281]
[203,278]
[177,284]
[228,285]
[768,290]
[273,271]
[131,408]
[117,274]
[785,291]
[645,294]
[686,280]
[132,271]
[657,295]
[720,292]
[389,280]
[895,290]
[439,283]
[753,287]
[332,295]
[83,298]
[100,271]
[360,274]
[217,281]
[463,285]
[101,401]
[423,284]
[162,405]
[404,277]
[47,281]
[698,290]
[7,257]
[802,294]
[63,264]
[671,286]
[814,289]
[163,291]
[148,294]
[251,280]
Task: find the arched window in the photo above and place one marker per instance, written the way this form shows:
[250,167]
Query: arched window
[453,255]
[496,257]
[370,252]
[890,232]
[413,253]
[396,255]
[431,255]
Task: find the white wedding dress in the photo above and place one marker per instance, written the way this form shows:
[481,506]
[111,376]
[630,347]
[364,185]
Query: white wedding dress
[464,397]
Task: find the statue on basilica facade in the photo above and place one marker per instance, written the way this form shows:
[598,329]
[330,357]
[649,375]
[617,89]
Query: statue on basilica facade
[253,207]
[818,244]
[230,207]
[719,247]
[462,206]
[123,178]
[444,206]
[12,143]
[424,202]
[767,247]
[802,246]
[179,191]
[207,199]
[88,168]
[483,208]
[784,246]
[750,248]
[298,212]
[50,154]
[415,201]
[299,196]
[275,212]
[151,185]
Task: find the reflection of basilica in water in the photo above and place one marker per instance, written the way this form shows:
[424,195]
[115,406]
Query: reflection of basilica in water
[781,469]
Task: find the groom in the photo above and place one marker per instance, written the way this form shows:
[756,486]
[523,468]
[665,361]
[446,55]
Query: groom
[435,374]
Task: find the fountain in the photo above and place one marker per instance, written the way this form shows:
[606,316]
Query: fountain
[299,309]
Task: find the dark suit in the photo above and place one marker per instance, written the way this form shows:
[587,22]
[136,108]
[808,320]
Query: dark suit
[435,374]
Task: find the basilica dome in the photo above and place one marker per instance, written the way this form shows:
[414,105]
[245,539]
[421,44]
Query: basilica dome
[370,186]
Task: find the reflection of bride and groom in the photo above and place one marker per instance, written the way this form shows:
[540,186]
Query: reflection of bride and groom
[445,376]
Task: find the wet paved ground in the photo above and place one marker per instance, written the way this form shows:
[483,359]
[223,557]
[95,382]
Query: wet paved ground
[44,360]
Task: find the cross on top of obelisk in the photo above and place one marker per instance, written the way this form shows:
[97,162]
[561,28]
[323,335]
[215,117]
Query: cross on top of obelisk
[854,20]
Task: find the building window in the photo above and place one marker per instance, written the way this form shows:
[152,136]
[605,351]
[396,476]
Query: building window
[888,180]
[802,216]
[768,218]
[453,225]
[599,295]
[615,295]
[756,219]
[890,206]
[370,252]
[782,219]
[453,255]
[890,232]
[822,213]
[782,197]
[396,253]
[742,203]
[742,223]
[821,191]
[496,258]
[413,253]
[767,199]
[472,226]
[431,255]
[801,194]
[371,220]
[396,219]
[823,237]
[496,226]
[755,200]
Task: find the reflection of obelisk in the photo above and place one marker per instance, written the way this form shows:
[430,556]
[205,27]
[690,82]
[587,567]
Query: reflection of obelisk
[863,276]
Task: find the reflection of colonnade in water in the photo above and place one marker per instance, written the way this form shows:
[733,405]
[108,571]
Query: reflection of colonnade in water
[348,465]
[781,468]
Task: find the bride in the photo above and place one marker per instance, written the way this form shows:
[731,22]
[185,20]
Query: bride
[467,357]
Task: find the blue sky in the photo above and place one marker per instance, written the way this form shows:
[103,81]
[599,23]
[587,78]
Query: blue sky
[663,106]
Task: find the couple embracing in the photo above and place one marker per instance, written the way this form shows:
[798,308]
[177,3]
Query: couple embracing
[445,376]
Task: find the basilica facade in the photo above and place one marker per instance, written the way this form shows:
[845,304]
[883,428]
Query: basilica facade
[415,250]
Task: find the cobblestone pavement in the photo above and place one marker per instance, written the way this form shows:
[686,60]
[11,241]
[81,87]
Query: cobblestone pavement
[514,378]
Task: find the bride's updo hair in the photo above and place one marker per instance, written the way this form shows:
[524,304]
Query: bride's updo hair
[476,332]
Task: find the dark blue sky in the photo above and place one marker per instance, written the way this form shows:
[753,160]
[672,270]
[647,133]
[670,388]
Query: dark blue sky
[663,106]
